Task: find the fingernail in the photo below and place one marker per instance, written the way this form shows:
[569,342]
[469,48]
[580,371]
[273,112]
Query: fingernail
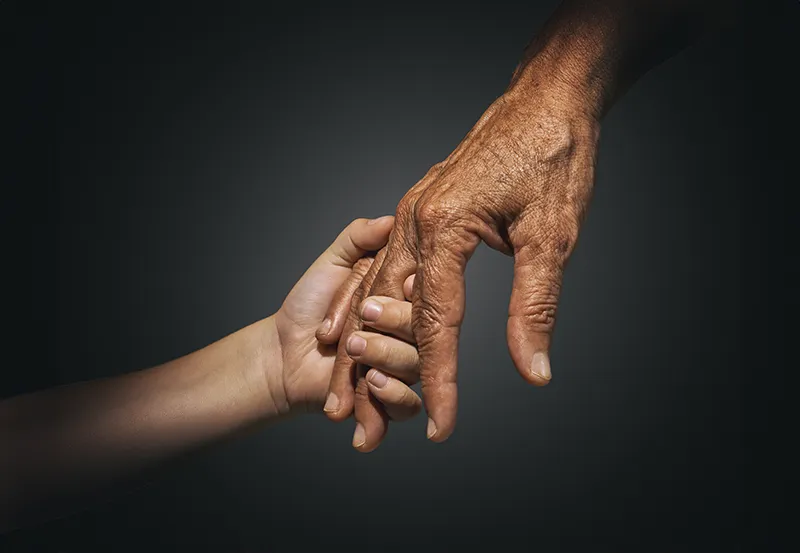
[325,327]
[372,310]
[356,345]
[540,365]
[359,436]
[431,428]
[332,404]
[378,379]
[378,220]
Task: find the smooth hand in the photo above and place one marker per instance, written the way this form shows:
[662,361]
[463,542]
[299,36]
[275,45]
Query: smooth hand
[325,288]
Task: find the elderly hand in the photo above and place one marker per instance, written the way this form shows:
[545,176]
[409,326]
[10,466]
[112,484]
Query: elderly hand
[520,181]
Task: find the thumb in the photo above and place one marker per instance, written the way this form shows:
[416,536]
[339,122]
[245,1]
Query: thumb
[359,238]
[312,295]
[538,271]
[351,249]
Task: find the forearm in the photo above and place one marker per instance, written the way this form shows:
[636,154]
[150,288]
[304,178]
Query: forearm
[591,51]
[64,445]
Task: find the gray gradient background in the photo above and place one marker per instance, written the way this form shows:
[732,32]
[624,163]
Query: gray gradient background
[171,172]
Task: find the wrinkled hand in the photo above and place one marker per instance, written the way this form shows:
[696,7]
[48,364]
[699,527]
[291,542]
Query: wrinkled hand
[520,181]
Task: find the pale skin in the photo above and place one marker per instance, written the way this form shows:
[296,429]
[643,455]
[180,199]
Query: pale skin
[63,447]
[520,181]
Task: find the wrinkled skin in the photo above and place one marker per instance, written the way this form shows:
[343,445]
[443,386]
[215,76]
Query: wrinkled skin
[520,181]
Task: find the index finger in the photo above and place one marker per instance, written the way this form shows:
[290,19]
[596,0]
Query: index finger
[351,249]
[370,415]
[341,390]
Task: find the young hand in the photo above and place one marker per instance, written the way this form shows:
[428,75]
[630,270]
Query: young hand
[394,360]
[321,300]
[392,357]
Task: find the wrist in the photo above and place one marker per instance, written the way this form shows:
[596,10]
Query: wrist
[571,74]
[264,373]
[551,125]
[590,52]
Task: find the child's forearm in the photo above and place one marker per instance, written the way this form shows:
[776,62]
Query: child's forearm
[64,445]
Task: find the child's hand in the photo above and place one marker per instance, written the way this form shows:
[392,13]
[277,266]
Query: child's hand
[307,363]
[395,356]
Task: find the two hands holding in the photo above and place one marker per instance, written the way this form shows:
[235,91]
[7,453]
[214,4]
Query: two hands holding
[63,445]
[329,347]
[520,181]
[309,324]
[346,340]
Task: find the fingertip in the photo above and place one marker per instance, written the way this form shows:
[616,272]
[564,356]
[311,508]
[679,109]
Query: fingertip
[337,407]
[376,379]
[357,239]
[536,371]
[370,414]
[370,309]
[324,332]
[359,436]
[371,234]
[365,447]
[431,430]
[438,433]
[534,379]
[337,416]
[532,365]
[383,220]
[441,405]
[537,381]
[367,437]
[355,346]
[529,351]
[540,366]
[408,287]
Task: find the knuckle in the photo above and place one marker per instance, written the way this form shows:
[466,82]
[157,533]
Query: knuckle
[434,171]
[446,228]
[361,305]
[380,353]
[427,321]
[376,269]
[390,316]
[356,222]
[361,267]
[362,391]
[358,296]
[361,290]
[561,240]
[434,380]
[383,284]
[404,211]
[342,366]
[436,211]
[403,319]
[404,396]
[436,310]
[539,308]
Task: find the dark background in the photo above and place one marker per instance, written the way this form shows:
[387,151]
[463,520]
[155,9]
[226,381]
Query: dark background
[169,171]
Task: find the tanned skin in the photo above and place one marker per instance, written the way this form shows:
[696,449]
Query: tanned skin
[520,181]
